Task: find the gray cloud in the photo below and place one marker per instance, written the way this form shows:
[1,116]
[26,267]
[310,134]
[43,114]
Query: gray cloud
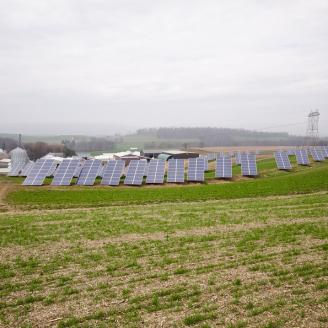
[250,64]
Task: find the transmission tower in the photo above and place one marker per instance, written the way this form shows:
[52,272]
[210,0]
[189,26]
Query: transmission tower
[312,133]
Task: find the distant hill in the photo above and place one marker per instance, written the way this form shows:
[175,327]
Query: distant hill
[215,137]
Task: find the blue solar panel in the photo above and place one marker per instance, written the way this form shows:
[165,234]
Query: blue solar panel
[39,172]
[196,169]
[113,172]
[302,157]
[317,154]
[237,158]
[325,151]
[282,160]
[79,169]
[89,172]
[135,173]
[156,171]
[248,164]
[65,172]
[175,172]
[27,168]
[223,167]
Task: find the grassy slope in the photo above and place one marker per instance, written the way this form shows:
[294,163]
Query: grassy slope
[304,180]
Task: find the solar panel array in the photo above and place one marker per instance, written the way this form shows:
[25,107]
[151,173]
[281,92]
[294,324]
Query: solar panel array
[52,169]
[196,169]
[223,167]
[89,172]
[175,172]
[282,160]
[112,173]
[156,171]
[317,154]
[65,172]
[205,159]
[135,173]
[302,157]
[39,172]
[248,164]
[101,171]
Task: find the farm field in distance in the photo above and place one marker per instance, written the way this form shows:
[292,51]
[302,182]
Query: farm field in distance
[246,253]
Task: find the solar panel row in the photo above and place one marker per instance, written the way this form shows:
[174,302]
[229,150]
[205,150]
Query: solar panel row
[135,173]
[89,172]
[317,154]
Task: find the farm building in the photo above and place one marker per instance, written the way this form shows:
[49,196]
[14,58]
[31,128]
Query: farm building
[169,154]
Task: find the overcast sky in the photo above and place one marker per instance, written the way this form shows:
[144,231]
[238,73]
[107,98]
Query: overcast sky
[93,66]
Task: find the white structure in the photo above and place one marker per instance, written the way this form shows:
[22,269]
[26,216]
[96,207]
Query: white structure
[18,155]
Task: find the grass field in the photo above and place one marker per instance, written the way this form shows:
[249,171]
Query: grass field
[247,253]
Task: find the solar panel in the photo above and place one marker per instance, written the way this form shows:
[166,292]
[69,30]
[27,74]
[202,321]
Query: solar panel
[16,169]
[101,170]
[325,151]
[135,173]
[175,172]
[248,164]
[89,172]
[302,157]
[65,172]
[38,172]
[237,158]
[156,171]
[196,168]
[223,167]
[317,154]
[113,172]
[52,169]
[78,169]
[26,169]
[282,160]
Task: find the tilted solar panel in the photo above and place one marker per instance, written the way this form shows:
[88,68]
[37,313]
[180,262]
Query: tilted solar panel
[135,173]
[65,172]
[27,168]
[175,172]
[156,171]
[113,172]
[52,169]
[89,172]
[101,170]
[79,169]
[325,151]
[248,164]
[223,167]
[237,158]
[317,154]
[196,169]
[282,160]
[302,157]
[39,172]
